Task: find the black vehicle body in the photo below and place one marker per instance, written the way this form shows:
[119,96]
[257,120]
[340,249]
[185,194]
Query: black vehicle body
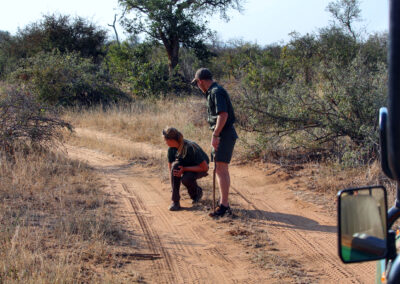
[372,247]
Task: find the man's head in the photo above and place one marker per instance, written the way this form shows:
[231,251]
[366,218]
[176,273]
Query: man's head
[203,79]
[173,138]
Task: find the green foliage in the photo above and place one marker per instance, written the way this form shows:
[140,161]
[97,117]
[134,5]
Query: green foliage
[325,98]
[234,59]
[62,34]
[336,47]
[7,61]
[144,68]
[66,80]
[141,66]
[118,60]
[53,33]
[174,23]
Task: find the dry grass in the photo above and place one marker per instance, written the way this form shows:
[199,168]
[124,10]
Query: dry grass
[56,223]
[263,252]
[143,121]
[285,269]
[122,148]
[331,178]
[328,178]
[319,183]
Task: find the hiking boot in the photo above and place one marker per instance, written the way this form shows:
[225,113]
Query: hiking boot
[220,211]
[198,196]
[175,206]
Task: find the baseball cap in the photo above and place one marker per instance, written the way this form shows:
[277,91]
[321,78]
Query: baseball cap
[201,74]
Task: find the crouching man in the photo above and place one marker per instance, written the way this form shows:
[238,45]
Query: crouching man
[187,163]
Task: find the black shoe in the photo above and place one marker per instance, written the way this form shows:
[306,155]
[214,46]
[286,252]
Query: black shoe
[198,196]
[220,211]
[175,206]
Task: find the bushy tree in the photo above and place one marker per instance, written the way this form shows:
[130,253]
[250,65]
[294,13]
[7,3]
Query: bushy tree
[175,24]
[7,60]
[58,32]
[320,93]
[335,45]
[346,12]
[143,68]
[66,79]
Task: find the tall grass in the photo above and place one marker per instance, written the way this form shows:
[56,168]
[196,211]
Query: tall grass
[55,221]
[329,178]
[143,121]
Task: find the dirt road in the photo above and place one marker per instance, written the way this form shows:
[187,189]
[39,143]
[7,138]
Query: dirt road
[274,236]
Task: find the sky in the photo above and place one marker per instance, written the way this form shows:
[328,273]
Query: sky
[262,21]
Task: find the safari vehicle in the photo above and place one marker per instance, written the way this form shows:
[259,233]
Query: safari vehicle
[364,224]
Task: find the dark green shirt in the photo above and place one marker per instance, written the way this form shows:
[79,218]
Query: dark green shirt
[194,155]
[218,101]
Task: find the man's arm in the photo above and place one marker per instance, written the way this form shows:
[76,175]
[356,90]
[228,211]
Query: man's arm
[221,120]
[202,167]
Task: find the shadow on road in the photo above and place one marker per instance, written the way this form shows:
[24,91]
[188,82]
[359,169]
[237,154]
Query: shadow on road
[284,220]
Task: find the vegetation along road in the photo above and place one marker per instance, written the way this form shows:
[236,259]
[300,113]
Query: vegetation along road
[273,237]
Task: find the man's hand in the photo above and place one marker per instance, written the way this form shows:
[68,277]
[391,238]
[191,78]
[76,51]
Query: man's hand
[221,120]
[178,172]
[215,142]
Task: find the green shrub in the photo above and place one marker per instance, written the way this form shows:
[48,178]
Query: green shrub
[333,110]
[66,80]
[61,33]
[144,69]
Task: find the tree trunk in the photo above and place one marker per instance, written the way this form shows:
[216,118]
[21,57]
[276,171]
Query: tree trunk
[115,29]
[173,56]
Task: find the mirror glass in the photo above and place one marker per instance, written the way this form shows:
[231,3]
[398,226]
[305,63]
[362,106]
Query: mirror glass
[362,224]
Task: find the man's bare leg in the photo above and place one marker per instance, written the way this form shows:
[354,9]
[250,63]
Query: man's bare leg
[224,182]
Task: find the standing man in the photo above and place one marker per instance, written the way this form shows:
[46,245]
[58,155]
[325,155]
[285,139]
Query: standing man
[221,118]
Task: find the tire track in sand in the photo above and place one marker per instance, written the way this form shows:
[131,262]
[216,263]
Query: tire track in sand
[187,244]
[153,240]
[314,247]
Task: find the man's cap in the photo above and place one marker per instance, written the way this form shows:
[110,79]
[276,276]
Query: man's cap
[202,74]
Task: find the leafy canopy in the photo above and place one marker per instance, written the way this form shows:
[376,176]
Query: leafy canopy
[175,23]
[58,32]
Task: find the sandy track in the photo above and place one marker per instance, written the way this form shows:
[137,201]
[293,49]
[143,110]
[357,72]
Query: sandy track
[303,231]
[188,247]
[185,246]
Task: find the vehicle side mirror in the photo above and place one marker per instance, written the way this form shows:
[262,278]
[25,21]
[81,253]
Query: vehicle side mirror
[362,224]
